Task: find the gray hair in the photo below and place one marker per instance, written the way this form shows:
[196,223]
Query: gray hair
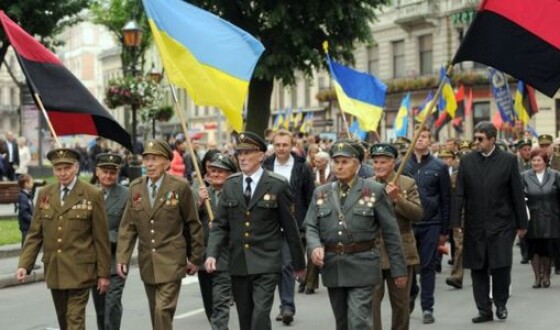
[323,155]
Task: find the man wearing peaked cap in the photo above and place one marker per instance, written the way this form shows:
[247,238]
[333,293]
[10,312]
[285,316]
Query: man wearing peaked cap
[343,223]
[545,139]
[161,213]
[256,211]
[108,307]
[406,203]
[71,227]
[465,147]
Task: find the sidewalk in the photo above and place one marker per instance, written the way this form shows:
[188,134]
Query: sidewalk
[9,257]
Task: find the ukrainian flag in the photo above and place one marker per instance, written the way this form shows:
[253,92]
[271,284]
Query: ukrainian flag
[525,105]
[209,57]
[401,121]
[447,99]
[424,107]
[359,94]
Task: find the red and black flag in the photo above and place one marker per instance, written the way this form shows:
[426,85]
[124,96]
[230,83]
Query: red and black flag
[518,37]
[70,106]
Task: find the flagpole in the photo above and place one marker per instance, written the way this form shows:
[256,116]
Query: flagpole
[419,130]
[191,152]
[51,128]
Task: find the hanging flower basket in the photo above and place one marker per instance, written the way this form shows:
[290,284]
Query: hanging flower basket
[136,92]
[163,113]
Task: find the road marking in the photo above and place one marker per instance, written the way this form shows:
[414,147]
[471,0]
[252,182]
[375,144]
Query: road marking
[189,314]
[189,280]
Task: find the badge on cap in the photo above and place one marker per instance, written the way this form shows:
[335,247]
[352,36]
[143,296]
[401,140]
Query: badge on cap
[242,136]
[340,146]
[151,144]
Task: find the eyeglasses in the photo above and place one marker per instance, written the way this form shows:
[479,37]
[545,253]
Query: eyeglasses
[479,138]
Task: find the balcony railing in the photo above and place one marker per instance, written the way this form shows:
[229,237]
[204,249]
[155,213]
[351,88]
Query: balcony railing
[411,13]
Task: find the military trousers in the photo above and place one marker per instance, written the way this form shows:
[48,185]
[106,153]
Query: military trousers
[221,297]
[352,307]
[108,306]
[399,298]
[70,306]
[254,295]
[162,299]
[457,270]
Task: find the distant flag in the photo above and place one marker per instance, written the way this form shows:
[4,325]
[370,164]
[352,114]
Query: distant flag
[356,131]
[304,128]
[401,120]
[279,120]
[359,94]
[518,37]
[287,118]
[502,96]
[446,100]
[525,105]
[298,117]
[533,131]
[424,107]
[497,120]
[442,120]
[460,113]
[468,104]
[208,56]
[70,106]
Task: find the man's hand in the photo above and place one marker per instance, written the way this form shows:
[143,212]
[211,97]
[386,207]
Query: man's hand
[393,191]
[202,195]
[521,232]
[317,256]
[191,268]
[400,282]
[103,284]
[443,239]
[20,274]
[122,270]
[210,264]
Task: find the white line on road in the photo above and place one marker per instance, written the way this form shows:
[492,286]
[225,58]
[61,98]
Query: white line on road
[189,314]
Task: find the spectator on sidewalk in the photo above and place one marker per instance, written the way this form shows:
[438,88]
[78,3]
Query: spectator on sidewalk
[25,204]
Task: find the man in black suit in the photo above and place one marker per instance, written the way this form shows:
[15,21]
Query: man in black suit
[11,156]
[490,192]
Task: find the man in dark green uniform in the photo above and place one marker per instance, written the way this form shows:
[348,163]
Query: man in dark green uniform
[342,227]
[254,207]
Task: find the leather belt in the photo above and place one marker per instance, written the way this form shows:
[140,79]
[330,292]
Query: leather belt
[350,248]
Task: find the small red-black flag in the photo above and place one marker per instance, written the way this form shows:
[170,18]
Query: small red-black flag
[70,106]
[518,37]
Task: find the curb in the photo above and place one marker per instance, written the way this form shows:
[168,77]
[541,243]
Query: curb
[9,280]
[10,253]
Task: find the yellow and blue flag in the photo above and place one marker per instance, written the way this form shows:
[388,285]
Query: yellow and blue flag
[525,104]
[211,58]
[359,94]
[401,121]
[298,118]
[447,101]
[356,130]
[287,119]
[424,107]
[279,120]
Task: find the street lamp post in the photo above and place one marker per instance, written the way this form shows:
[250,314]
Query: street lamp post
[155,76]
[132,38]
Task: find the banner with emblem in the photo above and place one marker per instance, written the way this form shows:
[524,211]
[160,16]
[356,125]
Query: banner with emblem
[500,91]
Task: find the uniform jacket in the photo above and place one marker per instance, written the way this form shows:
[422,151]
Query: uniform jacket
[223,259]
[407,210]
[432,178]
[364,224]
[162,248]
[543,201]
[302,184]
[74,237]
[254,229]
[523,165]
[114,206]
[490,191]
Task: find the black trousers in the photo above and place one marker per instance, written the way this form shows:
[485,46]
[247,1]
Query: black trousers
[501,279]
[254,295]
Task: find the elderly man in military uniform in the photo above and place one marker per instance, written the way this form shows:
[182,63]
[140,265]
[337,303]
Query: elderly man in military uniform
[255,206]
[70,224]
[345,219]
[404,197]
[159,210]
[108,307]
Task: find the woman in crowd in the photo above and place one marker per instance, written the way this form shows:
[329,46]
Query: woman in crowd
[542,190]
[24,156]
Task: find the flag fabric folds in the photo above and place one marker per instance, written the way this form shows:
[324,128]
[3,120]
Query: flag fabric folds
[71,108]
[401,120]
[460,113]
[359,94]
[356,130]
[447,100]
[525,104]
[208,56]
[424,107]
[518,37]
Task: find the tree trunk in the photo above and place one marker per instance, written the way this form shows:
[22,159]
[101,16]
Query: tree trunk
[258,105]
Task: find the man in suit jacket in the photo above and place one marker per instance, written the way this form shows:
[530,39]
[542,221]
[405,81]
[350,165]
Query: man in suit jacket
[489,189]
[11,157]
[342,226]
[255,206]
[299,175]
[406,201]
[70,224]
[108,307]
[159,209]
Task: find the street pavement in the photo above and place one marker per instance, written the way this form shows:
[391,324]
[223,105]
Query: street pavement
[30,306]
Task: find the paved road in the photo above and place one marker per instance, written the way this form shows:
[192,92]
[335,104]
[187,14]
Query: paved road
[30,307]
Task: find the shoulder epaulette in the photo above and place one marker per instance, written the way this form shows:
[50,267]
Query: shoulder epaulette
[277,176]
[136,181]
[234,175]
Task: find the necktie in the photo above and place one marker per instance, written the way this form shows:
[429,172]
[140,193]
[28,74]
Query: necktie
[248,191]
[64,195]
[105,193]
[343,193]
[154,190]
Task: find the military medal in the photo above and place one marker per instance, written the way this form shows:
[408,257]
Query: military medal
[266,197]
[319,202]
[370,204]
[361,201]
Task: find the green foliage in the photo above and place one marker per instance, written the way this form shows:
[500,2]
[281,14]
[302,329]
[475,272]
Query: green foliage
[162,113]
[139,92]
[9,232]
[43,18]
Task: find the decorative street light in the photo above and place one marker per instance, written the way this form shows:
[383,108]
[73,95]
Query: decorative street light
[132,38]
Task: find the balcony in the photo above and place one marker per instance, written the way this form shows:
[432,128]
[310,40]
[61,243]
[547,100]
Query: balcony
[412,13]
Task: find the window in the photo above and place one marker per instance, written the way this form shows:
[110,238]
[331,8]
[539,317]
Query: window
[307,100]
[322,83]
[206,111]
[425,54]
[398,59]
[14,96]
[196,111]
[481,112]
[373,59]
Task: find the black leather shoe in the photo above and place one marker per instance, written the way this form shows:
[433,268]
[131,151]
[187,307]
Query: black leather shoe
[309,291]
[287,317]
[279,317]
[301,288]
[501,312]
[481,318]
[524,261]
[454,283]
